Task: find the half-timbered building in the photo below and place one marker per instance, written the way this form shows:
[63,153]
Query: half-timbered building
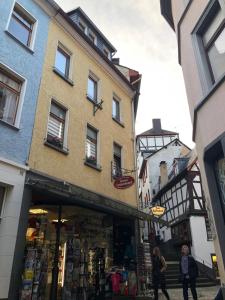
[185,211]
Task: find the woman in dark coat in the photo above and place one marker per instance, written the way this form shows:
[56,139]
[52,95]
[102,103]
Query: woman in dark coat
[158,273]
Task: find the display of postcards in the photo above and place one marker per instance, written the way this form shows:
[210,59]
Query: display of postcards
[27,285]
[29,264]
[35,288]
[28,274]
[34,297]
[26,295]
[31,254]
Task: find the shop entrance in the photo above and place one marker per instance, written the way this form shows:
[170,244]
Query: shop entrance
[70,250]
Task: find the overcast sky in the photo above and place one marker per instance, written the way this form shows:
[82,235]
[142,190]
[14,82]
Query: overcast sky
[146,43]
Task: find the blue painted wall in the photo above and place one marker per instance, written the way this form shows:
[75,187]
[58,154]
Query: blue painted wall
[15,144]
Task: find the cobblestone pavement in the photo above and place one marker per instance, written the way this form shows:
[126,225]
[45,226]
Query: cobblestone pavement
[206,293]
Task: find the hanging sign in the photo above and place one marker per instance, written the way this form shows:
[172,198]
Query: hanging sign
[158,211]
[123,182]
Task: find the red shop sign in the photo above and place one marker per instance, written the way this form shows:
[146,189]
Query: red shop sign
[123,182]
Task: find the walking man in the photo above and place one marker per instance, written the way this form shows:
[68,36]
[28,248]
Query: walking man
[189,272]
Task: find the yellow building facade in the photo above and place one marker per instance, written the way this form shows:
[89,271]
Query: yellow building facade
[70,167]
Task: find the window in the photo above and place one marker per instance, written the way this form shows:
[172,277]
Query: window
[56,125]
[117,160]
[91,145]
[116,109]
[2,197]
[62,62]
[92,36]
[21,25]
[82,26]
[106,52]
[10,89]
[92,89]
[213,38]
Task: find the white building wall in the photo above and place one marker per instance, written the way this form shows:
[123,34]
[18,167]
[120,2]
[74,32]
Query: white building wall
[201,248]
[12,177]
[166,154]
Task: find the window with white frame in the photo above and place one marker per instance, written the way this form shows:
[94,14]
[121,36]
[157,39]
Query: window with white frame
[212,33]
[10,90]
[21,25]
[2,198]
[116,109]
[92,92]
[62,61]
[91,145]
[56,125]
[117,160]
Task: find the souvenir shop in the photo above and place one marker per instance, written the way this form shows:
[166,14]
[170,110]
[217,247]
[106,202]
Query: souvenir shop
[75,252]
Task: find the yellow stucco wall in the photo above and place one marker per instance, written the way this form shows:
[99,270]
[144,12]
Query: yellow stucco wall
[71,167]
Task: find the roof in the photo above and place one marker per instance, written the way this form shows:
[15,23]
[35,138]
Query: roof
[191,159]
[165,146]
[152,132]
[166,11]
[80,10]
[85,37]
[157,130]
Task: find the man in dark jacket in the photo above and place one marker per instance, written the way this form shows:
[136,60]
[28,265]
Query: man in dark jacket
[189,272]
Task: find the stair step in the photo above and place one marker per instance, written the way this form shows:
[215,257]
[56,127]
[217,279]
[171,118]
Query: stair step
[179,285]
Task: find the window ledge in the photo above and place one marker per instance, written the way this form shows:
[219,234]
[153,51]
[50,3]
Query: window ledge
[19,42]
[96,167]
[118,122]
[92,101]
[64,151]
[60,74]
[9,125]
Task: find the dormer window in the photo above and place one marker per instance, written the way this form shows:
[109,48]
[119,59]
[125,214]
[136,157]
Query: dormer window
[82,26]
[106,52]
[92,36]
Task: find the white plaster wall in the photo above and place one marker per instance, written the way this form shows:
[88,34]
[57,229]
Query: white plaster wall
[165,233]
[201,248]
[13,177]
[167,154]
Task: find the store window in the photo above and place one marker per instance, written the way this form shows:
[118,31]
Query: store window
[84,245]
[220,174]
[21,25]
[10,89]
[92,91]
[91,145]
[62,61]
[117,160]
[56,125]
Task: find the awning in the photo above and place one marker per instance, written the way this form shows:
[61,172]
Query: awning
[64,193]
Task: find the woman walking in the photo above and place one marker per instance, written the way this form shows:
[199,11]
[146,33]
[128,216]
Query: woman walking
[158,273]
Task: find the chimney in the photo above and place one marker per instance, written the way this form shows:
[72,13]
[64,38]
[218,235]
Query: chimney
[116,60]
[157,125]
[163,173]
